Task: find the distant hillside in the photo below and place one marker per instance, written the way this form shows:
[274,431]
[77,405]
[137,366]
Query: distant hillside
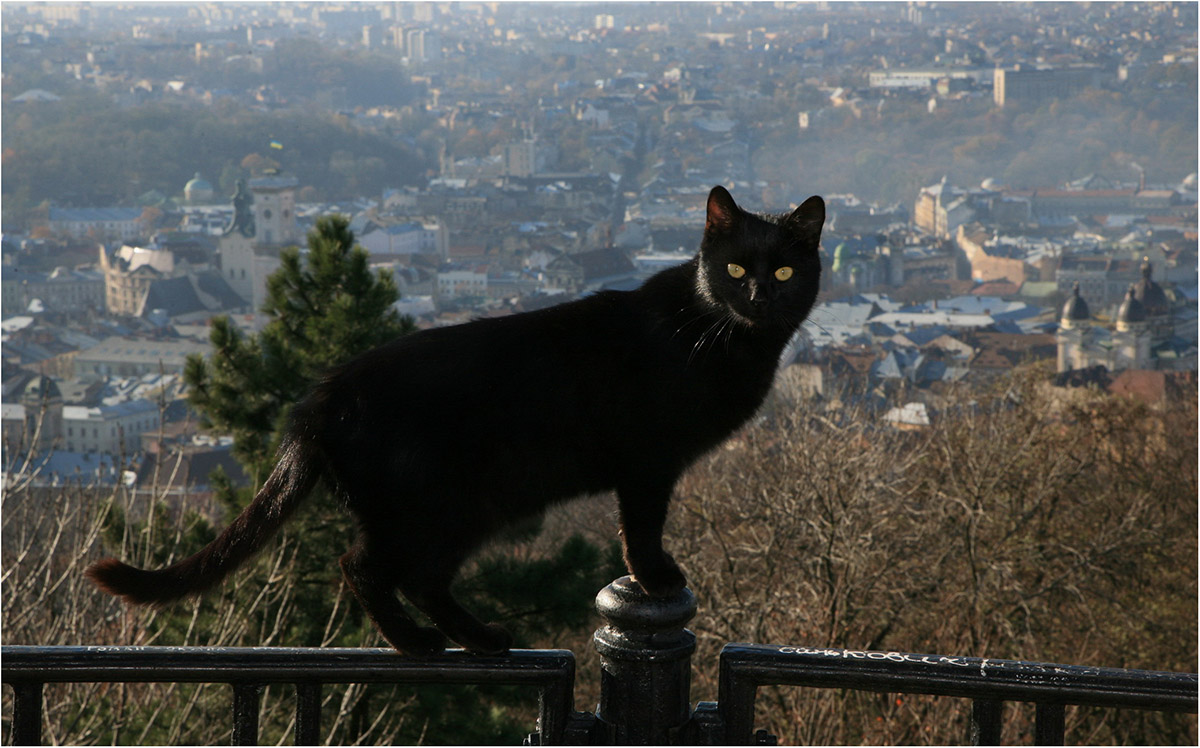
[897,146]
[86,151]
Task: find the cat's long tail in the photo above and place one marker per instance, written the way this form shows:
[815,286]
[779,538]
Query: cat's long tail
[295,474]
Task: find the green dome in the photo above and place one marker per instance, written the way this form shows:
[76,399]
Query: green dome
[197,189]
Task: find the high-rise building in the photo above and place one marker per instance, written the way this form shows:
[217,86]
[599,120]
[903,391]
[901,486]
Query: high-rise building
[422,45]
[372,36]
[520,158]
[1025,83]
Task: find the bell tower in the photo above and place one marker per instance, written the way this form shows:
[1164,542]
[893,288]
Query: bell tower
[274,209]
[264,221]
[1131,339]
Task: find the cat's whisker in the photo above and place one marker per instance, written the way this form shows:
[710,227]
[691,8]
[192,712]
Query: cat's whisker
[818,325]
[730,327]
[724,326]
[716,334]
[705,335]
[702,315]
[685,325]
[729,324]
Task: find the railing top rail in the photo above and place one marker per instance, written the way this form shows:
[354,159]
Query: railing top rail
[751,665]
[278,665]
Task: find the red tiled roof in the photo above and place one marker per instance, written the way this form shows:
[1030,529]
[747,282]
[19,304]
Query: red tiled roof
[1155,386]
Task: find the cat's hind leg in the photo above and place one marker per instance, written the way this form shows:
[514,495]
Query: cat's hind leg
[431,593]
[375,589]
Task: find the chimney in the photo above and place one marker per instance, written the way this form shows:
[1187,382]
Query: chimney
[1141,175]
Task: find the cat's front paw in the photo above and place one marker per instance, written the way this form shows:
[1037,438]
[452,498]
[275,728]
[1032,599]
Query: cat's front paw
[661,580]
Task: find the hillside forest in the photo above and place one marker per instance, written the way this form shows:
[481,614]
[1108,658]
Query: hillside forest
[366,127]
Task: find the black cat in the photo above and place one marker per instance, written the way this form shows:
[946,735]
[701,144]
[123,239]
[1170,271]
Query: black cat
[439,439]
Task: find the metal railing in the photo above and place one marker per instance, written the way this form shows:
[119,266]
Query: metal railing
[248,669]
[645,656]
[988,683]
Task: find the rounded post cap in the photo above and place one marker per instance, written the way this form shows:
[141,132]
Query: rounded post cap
[626,606]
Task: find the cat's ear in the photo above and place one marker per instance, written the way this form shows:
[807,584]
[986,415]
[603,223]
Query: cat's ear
[809,217]
[722,210]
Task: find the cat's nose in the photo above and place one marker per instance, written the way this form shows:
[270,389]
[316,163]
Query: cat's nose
[758,294]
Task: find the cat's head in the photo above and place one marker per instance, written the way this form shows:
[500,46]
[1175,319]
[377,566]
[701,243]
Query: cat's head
[763,269]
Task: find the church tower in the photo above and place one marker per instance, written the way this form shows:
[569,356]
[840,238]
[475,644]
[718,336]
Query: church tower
[1074,333]
[264,221]
[274,209]
[1131,339]
[1157,307]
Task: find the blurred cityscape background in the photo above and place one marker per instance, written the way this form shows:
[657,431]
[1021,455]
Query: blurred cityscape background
[982,443]
[980,161]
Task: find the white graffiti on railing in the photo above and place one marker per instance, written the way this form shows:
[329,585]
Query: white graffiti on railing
[853,654]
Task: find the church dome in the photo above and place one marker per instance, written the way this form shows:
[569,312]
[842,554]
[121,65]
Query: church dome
[1131,309]
[1076,309]
[198,190]
[1150,294]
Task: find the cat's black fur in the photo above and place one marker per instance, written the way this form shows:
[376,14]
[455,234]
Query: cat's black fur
[439,439]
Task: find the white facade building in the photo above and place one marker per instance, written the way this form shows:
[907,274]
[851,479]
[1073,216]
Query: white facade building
[113,223]
[108,429]
[424,237]
[462,282]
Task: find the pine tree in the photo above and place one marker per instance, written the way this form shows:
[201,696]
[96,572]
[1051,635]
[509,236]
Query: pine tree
[324,306]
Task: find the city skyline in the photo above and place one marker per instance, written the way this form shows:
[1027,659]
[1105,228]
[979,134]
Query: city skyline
[493,158]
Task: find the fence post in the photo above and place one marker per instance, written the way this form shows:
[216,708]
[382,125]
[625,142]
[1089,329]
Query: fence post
[645,657]
[27,714]
[246,698]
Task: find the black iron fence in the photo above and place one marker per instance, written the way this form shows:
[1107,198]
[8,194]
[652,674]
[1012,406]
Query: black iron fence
[988,683]
[645,680]
[248,669]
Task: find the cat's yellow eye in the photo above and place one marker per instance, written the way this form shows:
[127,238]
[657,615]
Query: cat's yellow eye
[783,273]
[737,271]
